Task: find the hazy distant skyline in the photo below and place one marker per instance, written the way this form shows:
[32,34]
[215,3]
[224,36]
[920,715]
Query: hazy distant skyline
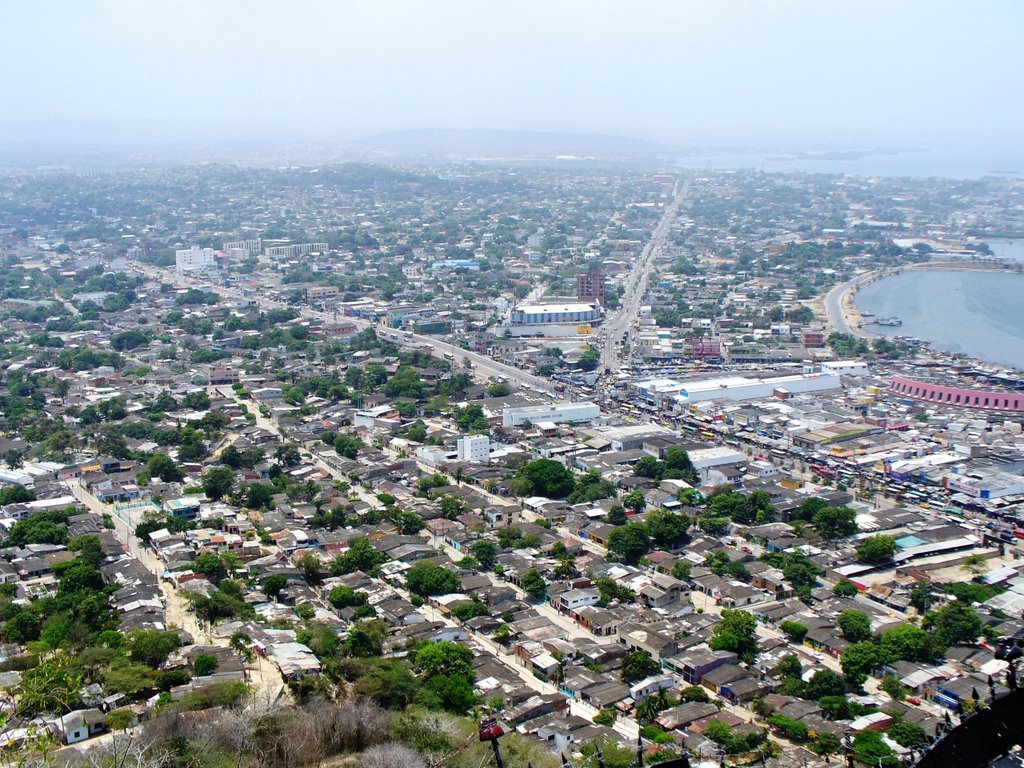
[922,73]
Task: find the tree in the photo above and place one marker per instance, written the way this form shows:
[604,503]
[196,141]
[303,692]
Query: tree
[876,549]
[259,495]
[546,477]
[218,482]
[366,639]
[634,500]
[681,570]
[427,578]
[721,564]
[453,693]
[835,522]
[161,465]
[694,693]
[445,658]
[859,660]
[909,735]
[649,707]
[637,665]
[648,466]
[16,494]
[799,569]
[953,624]
[589,360]
[343,596]
[678,466]
[204,664]
[629,542]
[856,625]
[794,630]
[348,445]
[37,528]
[825,682]
[736,632]
[761,507]
[121,719]
[731,504]
[617,515]
[891,685]
[452,506]
[213,566]
[151,647]
[975,564]
[826,744]
[590,486]
[666,528]
[486,554]
[712,525]
[788,667]
[469,610]
[79,576]
[287,454]
[845,588]
[533,584]
[312,567]
[389,682]
[361,556]
[274,584]
[907,642]
[870,749]
[809,508]
[50,687]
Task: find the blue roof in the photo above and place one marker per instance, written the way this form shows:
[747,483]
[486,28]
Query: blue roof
[906,542]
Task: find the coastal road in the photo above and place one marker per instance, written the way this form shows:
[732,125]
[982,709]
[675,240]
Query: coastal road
[834,299]
[636,286]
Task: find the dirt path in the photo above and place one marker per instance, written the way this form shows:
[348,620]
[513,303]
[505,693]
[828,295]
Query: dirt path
[263,675]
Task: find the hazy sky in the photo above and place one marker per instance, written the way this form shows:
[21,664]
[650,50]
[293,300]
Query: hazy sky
[920,73]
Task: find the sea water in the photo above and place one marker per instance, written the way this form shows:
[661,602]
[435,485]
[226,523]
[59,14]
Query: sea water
[979,314]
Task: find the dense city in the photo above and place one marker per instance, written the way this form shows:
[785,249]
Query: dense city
[591,464]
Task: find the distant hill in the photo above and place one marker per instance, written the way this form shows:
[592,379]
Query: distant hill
[506,145]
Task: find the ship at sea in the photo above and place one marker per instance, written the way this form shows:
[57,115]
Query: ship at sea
[888,321]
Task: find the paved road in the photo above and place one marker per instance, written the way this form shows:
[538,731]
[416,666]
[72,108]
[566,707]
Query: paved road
[834,305]
[483,367]
[636,286]
[625,726]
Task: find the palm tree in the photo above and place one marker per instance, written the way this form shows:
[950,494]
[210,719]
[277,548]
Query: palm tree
[61,387]
[647,710]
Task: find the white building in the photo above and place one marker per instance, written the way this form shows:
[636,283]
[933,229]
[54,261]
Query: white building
[569,312]
[474,448]
[556,413]
[294,251]
[244,248]
[704,458]
[736,388]
[839,367]
[194,260]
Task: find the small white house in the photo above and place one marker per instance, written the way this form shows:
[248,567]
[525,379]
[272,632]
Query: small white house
[650,686]
[80,725]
